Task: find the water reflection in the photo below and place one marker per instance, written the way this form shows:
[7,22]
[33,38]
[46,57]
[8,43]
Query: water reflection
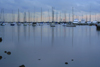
[98,32]
[34,35]
[12,33]
[41,34]
[52,39]
[18,31]
[29,31]
[25,29]
[80,44]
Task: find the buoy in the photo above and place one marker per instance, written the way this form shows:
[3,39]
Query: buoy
[0,39]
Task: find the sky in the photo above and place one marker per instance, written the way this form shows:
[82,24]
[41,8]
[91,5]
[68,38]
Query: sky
[81,7]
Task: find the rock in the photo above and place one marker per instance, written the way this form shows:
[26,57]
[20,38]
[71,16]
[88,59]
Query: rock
[22,66]
[0,39]
[5,51]
[0,57]
[9,53]
[72,59]
[66,62]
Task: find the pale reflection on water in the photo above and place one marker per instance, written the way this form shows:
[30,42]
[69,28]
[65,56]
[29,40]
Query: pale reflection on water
[53,45]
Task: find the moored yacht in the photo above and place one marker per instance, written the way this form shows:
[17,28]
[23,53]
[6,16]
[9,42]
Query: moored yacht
[75,21]
[83,22]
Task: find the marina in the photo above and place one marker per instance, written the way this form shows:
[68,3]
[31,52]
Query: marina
[41,33]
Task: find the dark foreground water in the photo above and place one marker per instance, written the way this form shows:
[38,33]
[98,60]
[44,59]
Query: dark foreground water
[45,46]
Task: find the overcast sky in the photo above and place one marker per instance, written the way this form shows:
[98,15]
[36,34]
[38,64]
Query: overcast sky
[80,6]
[61,5]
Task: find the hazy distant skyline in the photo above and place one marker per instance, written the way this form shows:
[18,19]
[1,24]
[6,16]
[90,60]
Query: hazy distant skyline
[81,7]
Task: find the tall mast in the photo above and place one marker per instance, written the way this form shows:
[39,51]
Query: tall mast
[12,16]
[0,14]
[56,17]
[72,14]
[69,17]
[18,15]
[41,14]
[29,16]
[60,16]
[34,14]
[25,17]
[90,13]
[82,16]
[65,16]
[48,16]
[3,16]
[52,14]
[86,17]
[95,16]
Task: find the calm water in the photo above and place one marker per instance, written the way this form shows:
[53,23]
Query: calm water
[54,46]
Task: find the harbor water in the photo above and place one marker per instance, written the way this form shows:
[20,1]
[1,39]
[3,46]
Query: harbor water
[45,46]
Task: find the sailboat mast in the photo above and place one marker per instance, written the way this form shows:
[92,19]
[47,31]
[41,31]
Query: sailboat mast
[34,14]
[12,16]
[25,17]
[18,15]
[41,14]
[72,14]
[56,17]
[3,15]
[60,16]
[82,16]
[65,16]
[90,13]
[29,16]
[95,16]
[48,15]
[86,17]
[52,14]
[69,17]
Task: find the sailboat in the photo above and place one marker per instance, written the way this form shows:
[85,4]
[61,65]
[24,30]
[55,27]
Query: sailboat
[18,19]
[52,24]
[64,23]
[12,24]
[48,18]
[89,22]
[41,23]
[30,23]
[34,23]
[82,21]
[25,24]
[71,24]
[3,22]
